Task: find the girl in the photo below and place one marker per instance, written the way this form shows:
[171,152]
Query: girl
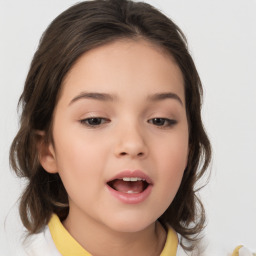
[111,139]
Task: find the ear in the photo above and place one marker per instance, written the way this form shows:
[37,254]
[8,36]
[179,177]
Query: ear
[46,153]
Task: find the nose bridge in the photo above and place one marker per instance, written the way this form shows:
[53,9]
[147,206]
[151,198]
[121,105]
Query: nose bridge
[131,140]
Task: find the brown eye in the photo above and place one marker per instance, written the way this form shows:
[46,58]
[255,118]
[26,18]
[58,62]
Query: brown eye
[165,122]
[94,121]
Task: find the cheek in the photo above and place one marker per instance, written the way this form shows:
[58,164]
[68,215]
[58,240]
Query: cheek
[171,178]
[173,157]
[76,160]
[80,174]
[173,151]
[173,166]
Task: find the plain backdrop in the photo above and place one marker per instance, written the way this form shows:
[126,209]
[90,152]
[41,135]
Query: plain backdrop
[222,40]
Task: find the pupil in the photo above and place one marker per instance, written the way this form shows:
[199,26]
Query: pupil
[158,121]
[94,121]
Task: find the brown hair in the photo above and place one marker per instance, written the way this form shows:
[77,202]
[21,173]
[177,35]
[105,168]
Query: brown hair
[78,29]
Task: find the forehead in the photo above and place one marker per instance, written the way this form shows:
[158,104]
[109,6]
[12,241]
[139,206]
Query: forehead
[122,66]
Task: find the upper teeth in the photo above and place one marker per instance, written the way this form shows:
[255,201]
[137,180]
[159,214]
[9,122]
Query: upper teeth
[132,179]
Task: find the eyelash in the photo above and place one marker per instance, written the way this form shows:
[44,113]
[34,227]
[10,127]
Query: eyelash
[87,121]
[164,122]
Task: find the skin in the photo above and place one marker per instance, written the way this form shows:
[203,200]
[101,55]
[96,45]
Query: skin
[127,138]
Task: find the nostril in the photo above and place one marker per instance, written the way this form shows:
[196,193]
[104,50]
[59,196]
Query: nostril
[124,153]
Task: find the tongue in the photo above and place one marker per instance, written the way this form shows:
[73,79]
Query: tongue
[128,186]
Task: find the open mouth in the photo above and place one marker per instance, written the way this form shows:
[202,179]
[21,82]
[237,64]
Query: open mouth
[129,185]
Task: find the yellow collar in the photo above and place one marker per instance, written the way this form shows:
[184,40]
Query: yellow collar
[67,245]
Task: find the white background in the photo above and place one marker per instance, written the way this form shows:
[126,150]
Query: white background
[222,41]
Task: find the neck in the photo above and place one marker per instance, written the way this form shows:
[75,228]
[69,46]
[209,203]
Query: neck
[90,234]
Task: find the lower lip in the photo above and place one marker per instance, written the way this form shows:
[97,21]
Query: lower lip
[135,198]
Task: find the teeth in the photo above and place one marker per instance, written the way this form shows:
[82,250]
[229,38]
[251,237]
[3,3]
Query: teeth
[132,179]
[131,192]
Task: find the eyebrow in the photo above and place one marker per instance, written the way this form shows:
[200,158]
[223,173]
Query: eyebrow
[164,96]
[109,97]
[94,96]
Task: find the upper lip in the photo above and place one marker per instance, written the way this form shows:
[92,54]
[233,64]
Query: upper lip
[132,174]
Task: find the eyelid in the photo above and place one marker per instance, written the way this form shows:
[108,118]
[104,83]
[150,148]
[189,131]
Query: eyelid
[85,120]
[170,122]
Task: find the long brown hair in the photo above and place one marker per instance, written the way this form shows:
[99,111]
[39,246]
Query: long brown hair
[77,30]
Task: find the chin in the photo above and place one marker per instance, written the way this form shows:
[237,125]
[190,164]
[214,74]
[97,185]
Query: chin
[130,224]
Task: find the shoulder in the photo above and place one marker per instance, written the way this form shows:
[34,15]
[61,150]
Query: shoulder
[181,251]
[172,243]
[40,244]
[242,251]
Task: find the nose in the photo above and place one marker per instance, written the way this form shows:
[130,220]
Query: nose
[131,142]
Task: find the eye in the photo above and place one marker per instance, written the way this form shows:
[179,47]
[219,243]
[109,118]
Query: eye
[94,121]
[163,122]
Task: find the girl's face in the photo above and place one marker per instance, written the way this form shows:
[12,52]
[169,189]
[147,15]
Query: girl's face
[120,135]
